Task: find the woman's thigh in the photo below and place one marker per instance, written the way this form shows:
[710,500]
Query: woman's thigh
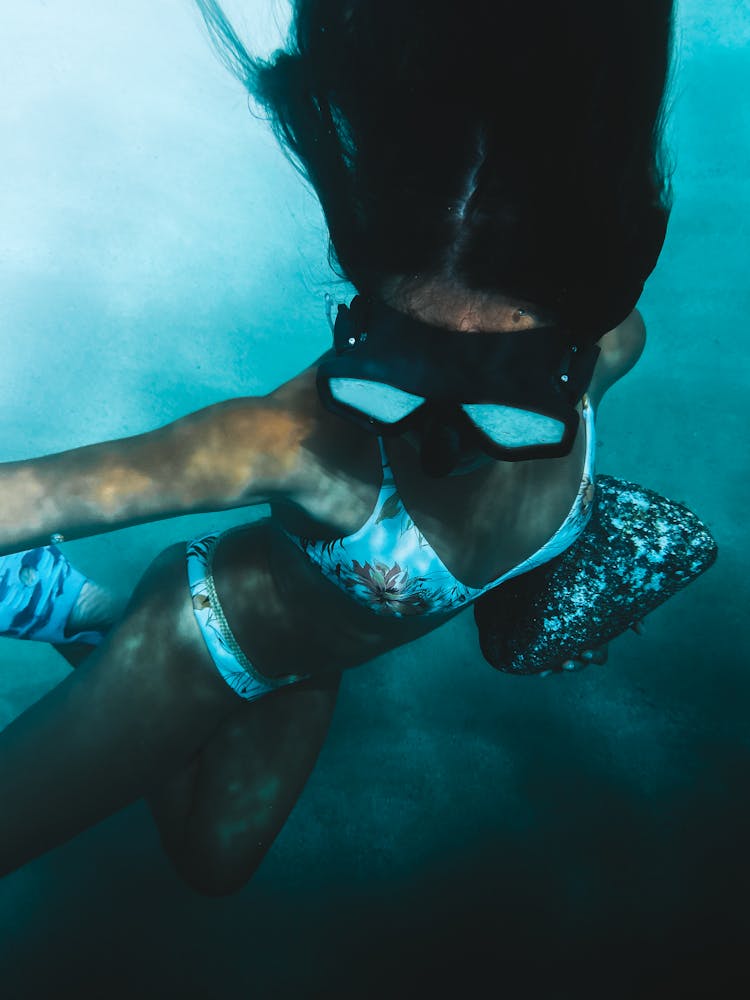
[135,712]
[219,816]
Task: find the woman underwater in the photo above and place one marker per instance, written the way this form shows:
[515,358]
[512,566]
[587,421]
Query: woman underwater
[492,180]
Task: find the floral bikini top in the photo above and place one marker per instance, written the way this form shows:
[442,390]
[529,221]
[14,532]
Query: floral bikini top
[390,567]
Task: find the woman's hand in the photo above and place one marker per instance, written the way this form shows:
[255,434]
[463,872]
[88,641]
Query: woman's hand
[598,655]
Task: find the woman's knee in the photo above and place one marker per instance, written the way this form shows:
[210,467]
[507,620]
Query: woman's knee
[213,870]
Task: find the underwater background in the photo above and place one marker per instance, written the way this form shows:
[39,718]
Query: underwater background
[464,829]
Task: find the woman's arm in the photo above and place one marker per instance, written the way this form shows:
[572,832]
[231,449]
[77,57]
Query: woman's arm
[620,350]
[240,452]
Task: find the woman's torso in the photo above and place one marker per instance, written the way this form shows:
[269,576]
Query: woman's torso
[480,525]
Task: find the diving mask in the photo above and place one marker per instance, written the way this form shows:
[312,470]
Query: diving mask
[511,394]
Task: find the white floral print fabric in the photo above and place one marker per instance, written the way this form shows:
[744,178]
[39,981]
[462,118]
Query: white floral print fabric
[389,566]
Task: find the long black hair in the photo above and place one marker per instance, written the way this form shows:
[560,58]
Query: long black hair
[506,146]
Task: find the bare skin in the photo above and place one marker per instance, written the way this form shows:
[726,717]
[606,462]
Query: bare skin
[146,714]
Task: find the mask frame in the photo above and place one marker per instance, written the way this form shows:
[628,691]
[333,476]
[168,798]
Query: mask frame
[542,371]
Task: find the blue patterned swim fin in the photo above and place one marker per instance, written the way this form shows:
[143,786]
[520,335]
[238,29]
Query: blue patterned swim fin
[38,591]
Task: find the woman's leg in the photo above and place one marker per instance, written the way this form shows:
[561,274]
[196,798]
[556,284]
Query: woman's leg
[218,817]
[135,712]
[219,812]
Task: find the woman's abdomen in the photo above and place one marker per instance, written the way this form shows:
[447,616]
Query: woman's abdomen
[288,618]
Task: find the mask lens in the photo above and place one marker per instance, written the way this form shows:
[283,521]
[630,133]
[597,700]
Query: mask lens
[384,403]
[509,427]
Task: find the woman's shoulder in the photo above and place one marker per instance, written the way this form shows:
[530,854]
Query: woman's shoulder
[330,449]
[298,395]
[620,350]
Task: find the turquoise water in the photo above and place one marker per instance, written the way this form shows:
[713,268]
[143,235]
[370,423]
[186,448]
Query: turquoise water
[158,254]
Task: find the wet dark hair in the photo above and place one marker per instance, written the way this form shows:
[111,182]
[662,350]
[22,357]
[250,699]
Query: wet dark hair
[506,147]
